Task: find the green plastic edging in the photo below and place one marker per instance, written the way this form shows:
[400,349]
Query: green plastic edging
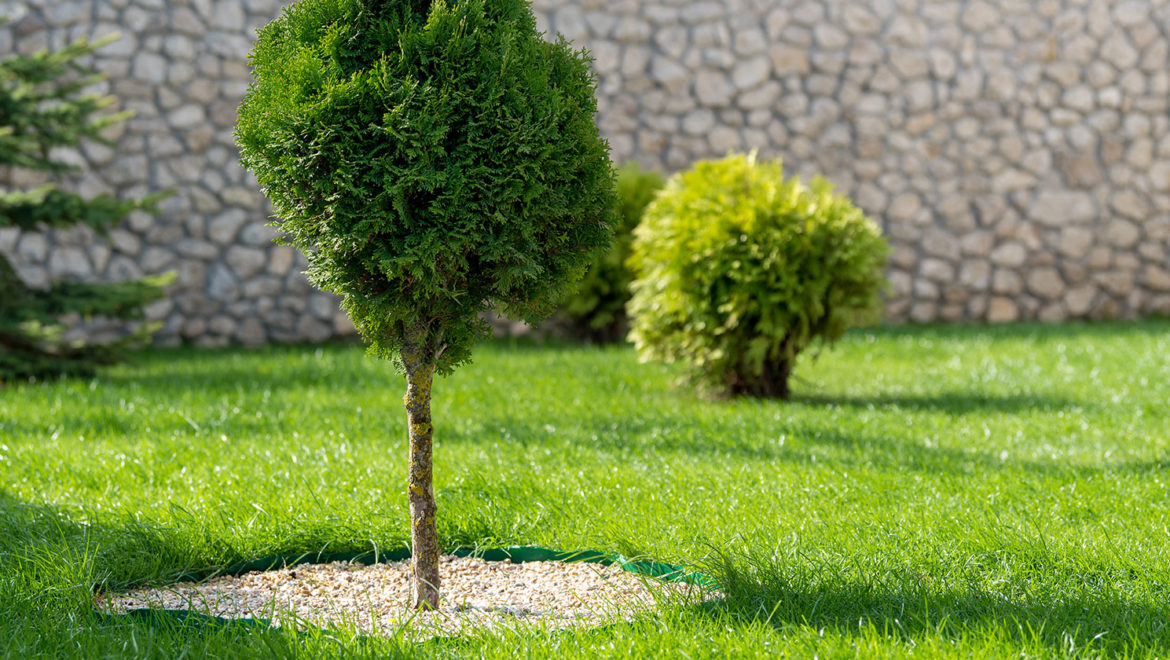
[517,554]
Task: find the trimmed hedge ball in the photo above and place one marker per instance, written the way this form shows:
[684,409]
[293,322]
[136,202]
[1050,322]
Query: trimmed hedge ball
[433,160]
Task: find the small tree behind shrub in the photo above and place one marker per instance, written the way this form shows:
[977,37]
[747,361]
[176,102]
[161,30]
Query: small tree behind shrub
[433,160]
[42,107]
[597,310]
[738,270]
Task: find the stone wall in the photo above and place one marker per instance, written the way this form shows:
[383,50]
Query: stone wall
[1017,153]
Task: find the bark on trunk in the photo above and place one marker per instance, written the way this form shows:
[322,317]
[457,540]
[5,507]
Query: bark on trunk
[424,541]
[773,382]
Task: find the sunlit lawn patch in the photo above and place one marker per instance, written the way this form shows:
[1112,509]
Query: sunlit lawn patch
[954,491]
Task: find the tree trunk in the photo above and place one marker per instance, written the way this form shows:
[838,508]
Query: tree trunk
[424,541]
[775,381]
[772,382]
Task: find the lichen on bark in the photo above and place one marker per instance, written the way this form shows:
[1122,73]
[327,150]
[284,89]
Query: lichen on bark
[423,534]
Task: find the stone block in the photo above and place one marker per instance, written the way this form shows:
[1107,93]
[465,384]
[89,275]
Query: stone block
[1063,207]
[750,72]
[1156,278]
[1007,282]
[32,248]
[1117,51]
[1123,234]
[938,270]
[149,67]
[1082,170]
[1002,310]
[245,262]
[156,260]
[221,283]
[700,12]
[187,116]
[788,60]
[251,332]
[724,139]
[69,263]
[313,330]
[763,97]
[904,208]
[224,227]
[1046,283]
[698,122]
[975,274]
[713,89]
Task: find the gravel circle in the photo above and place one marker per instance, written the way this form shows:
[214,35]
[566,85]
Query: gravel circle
[476,594]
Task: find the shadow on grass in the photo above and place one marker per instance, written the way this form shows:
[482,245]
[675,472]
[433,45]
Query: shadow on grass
[40,543]
[52,562]
[813,443]
[954,403]
[225,370]
[1061,617]
[45,539]
[228,369]
[52,567]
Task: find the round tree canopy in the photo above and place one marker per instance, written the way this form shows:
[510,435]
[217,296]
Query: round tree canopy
[432,159]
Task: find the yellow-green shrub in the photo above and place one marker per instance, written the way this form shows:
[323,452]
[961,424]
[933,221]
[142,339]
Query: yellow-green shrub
[737,270]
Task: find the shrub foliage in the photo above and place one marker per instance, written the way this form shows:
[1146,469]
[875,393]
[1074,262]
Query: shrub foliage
[597,309]
[43,107]
[738,270]
[433,160]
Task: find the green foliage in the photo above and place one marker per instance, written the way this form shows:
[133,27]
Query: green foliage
[739,270]
[597,310]
[432,160]
[43,106]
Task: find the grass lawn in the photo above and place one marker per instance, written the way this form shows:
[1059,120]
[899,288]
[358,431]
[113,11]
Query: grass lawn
[959,491]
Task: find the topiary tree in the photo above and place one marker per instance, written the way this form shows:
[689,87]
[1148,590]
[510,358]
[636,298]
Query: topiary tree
[738,270]
[597,309]
[433,160]
[43,106]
